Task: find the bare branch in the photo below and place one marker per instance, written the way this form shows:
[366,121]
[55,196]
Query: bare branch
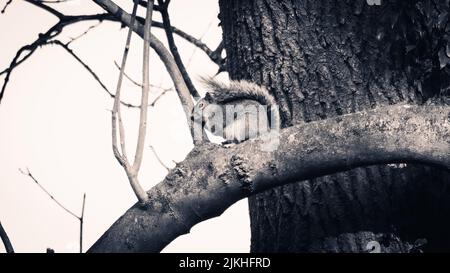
[42,39]
[145,89]
[66,20]
[29,49]
[86,66]
[45,39]
[158,46]
[6,5]
[14,63]
[155,100]
[41,5]
[127,76]
[158,158]
[212,54]
[29,174]
[133,170]
[80,218]
[173,48]
[121,155]
[192,193]
[82,222]
[163,90]
[215,56]
[135,82]
[6,242]
[83,34]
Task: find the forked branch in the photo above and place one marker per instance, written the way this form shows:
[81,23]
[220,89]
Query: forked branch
[132,170]
[165,56]
[80,218]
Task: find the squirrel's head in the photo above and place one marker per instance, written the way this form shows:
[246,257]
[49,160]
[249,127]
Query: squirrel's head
[197,114]
[205,111]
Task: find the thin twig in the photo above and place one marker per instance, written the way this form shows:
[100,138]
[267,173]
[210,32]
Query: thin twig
[83,34]
[135,82]
[41,5]
[89,69]
[217,59]
[127,76]
[29,174]
[155,100]
[82,222]
[30,49]
[8,246]
[43,38]
[201,37]
[6,5]
[80,218]
[119,16]
[158,158]
[116,14]
[163,90]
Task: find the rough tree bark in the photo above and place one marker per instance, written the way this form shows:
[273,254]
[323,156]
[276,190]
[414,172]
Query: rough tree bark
[213,177]
[321,59]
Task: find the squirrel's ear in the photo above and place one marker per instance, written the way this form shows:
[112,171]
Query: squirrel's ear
[208,97]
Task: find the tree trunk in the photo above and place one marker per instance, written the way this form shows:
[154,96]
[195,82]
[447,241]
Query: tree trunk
[323,58]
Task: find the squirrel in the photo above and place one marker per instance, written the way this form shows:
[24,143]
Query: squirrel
[233,110]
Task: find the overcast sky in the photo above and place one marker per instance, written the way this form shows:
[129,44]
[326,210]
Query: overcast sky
[55,120]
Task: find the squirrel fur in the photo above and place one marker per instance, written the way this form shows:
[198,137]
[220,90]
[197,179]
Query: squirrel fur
[246,95]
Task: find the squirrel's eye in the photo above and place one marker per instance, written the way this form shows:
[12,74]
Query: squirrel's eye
[201,104]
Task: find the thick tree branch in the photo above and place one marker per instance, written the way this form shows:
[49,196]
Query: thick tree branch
[213,177]
[6,242]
